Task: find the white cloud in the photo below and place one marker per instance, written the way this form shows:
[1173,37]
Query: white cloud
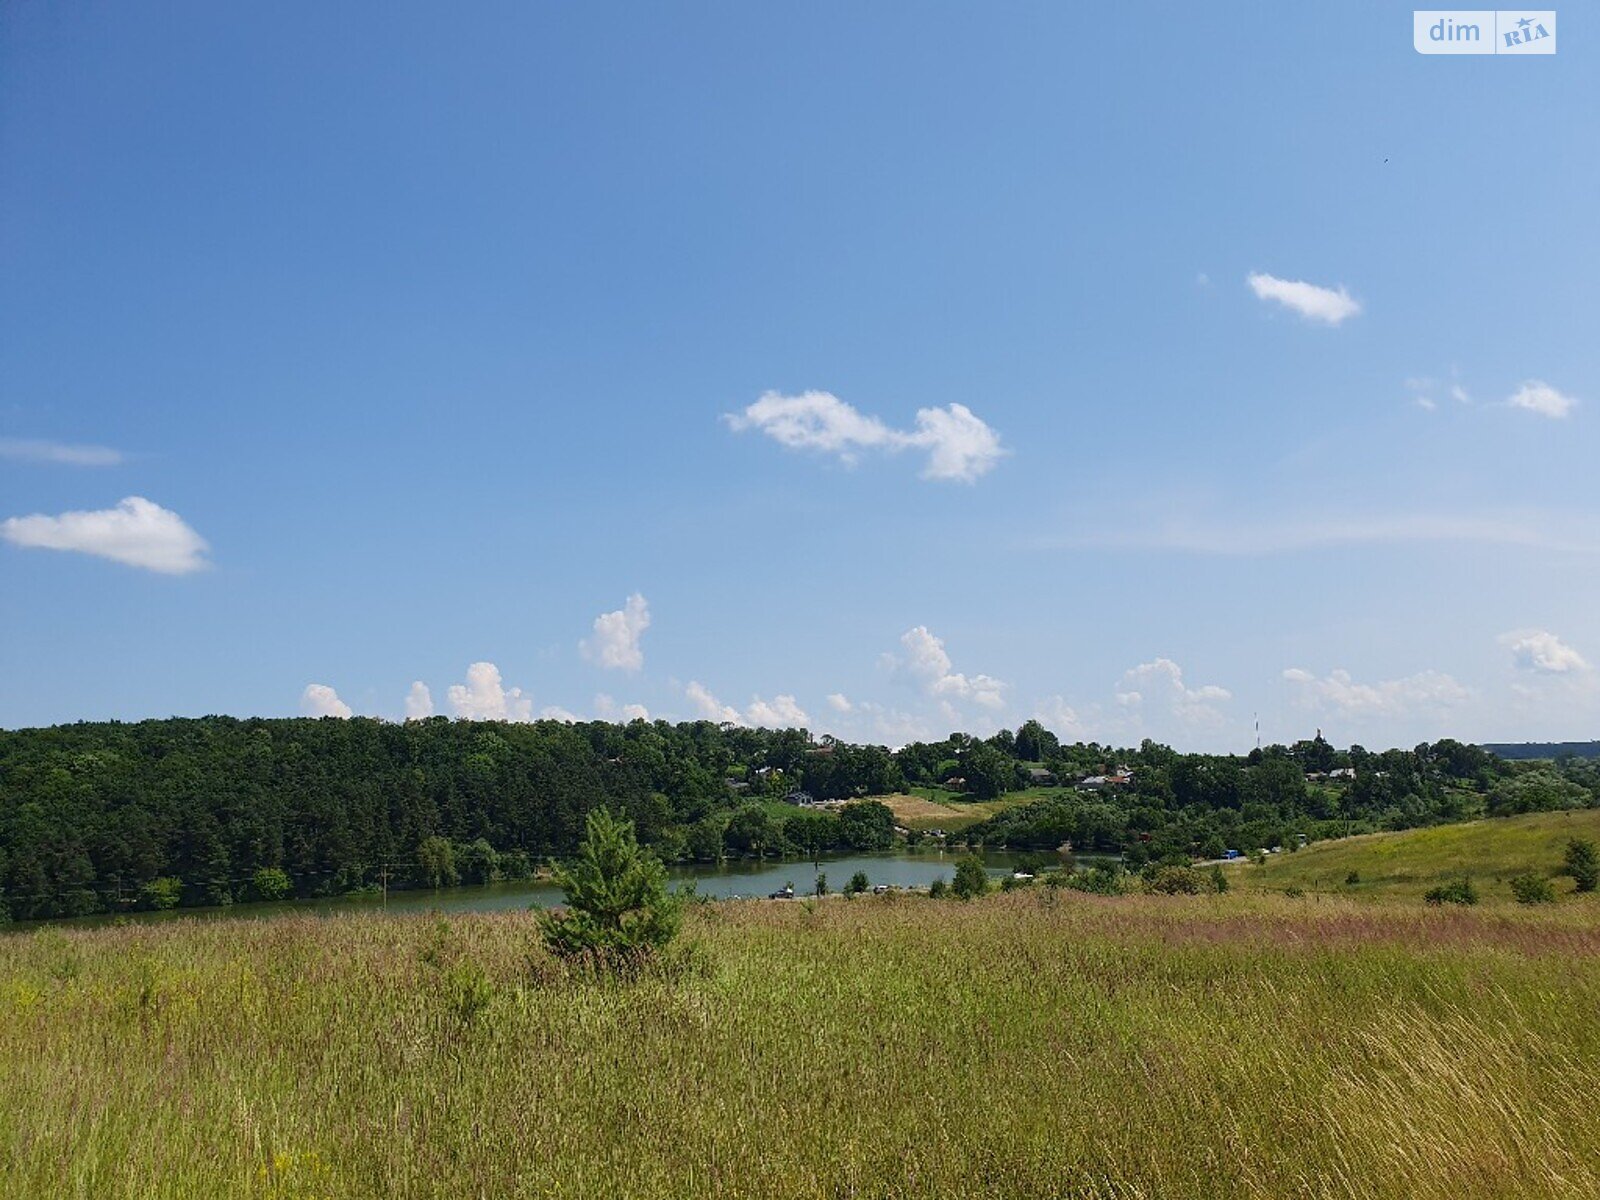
[419,702]
[485,698]
[39,450]
[555,712]
[320,700]
[709,707]
[135,532]
[1542,651]
[1161,682]
[1338,692]
[607,709]
[1061,719]
[1541,398]
[960,446]
[616,636]
[1310,301]
[839,702]
[926,663]
[781,713]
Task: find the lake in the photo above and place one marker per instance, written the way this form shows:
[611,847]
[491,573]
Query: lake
[898,868]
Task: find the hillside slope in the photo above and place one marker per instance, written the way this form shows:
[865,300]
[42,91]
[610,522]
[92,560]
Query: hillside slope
[1411,862]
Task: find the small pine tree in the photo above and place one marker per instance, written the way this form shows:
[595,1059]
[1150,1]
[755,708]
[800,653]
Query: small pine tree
[857,884]
[1583,864]
[971,879]
[617,900]
[938,888]
[1219,880]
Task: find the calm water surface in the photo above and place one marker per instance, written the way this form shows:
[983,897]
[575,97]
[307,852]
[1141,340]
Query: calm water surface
[898,868]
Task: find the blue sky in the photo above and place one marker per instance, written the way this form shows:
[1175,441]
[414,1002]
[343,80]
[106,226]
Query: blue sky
[917,368]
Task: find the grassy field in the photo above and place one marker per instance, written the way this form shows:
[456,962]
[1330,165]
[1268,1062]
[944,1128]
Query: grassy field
[936,808]
[1032,1044]
[1409,863]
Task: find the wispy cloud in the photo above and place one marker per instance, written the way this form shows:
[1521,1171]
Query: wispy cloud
[136,532]
[960,446]
[1338,692]
[1315,303]
[1251,538]
[63,453]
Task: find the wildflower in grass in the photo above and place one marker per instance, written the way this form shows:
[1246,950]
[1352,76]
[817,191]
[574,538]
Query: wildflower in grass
[617,899]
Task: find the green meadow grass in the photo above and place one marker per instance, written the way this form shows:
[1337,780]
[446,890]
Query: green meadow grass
[1034,1044]
[1409,863]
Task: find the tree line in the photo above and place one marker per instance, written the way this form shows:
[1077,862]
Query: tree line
[107,816]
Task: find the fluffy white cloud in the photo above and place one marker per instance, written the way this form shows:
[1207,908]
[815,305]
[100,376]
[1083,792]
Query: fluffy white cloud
[839,702]
[1338,692]
[38,450]
[320,700]
[1161,681]
[709,707]
[1542,651]
[135,532]
[1541,398]
[960,446]
[555,712]
[419,702]
[926,663]
[607,709]
[485,698]
[615,644]
[1310,301]
[781,712]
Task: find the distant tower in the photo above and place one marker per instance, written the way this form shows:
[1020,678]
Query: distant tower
[1258,731]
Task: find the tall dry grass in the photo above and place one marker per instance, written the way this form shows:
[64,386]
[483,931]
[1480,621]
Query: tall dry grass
[1024,1045]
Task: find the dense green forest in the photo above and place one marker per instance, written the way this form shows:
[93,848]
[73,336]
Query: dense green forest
[99,817]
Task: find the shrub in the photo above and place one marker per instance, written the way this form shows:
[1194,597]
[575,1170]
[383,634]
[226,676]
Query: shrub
[1532,889]
[618,906]
[1457,891]
[162,893]
[270,883]
[858,884]
[1012,883]
[971,879]
[1100,881]
[1353,878]
[1173,881]
[1294,891]
[1219,880]
[1583,864]
[821,888]
[938,888]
